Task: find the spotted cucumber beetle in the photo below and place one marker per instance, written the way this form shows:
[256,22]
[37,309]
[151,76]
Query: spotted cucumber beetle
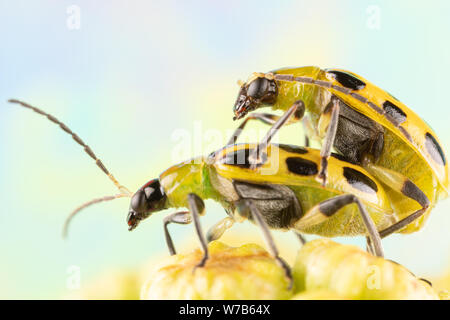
[362,122]
[287,196]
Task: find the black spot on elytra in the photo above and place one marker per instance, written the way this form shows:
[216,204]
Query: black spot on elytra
[239,158]
[348,80]
[301,166]
[359,180]
[434,149]
[291,148]
[395,112]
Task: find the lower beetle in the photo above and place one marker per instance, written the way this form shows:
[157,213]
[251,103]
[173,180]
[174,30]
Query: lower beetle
[281,193]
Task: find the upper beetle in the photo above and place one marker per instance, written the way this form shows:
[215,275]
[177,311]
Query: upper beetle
[364,123]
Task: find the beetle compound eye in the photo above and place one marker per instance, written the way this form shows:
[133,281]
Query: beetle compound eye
[149,198]
[258,88]
[139,201]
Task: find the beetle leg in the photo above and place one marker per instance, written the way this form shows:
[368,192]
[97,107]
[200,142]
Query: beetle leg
[217,230]
[266,118]
[183,217]
[325,209]
[369,246]
[300,237]
[298,109]
[273,250]
[329,119]
[399,183]
[402,223]
[197,208]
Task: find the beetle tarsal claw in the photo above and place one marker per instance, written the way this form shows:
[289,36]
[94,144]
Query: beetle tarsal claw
[287,271]
[201,264]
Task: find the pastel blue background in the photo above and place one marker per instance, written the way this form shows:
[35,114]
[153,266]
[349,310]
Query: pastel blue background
[135,72]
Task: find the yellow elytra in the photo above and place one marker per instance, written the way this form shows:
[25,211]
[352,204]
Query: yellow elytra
[297,168]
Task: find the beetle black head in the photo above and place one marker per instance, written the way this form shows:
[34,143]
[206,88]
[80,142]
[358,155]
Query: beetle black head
[148,199]
[259,91]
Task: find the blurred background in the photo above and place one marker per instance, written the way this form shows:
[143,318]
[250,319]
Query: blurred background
[132,77]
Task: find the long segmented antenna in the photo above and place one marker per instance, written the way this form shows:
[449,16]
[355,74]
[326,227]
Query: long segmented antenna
[75,137]
[85,205]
